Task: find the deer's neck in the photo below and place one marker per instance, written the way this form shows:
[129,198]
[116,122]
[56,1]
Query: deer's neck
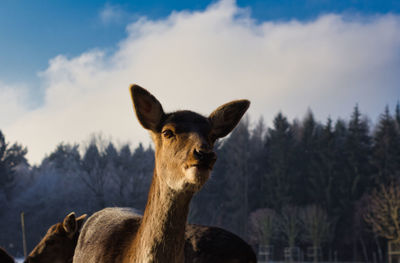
[160,237]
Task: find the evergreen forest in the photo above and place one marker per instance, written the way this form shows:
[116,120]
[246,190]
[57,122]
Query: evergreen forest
[270,185]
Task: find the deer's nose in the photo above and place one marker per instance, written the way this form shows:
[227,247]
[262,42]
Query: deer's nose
[204,154]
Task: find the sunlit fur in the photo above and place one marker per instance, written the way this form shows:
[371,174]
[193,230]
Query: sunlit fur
[203,244]
[181,170]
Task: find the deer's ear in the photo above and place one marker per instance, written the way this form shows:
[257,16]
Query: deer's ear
[80,220]
[69,224]
[148,109]
[227,116]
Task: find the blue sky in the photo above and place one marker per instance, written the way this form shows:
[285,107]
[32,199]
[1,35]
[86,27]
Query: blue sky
[32,32]
[65,65]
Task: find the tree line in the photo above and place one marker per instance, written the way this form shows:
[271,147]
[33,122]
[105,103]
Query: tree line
[269,185]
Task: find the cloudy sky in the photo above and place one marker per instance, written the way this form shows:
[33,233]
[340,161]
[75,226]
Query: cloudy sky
[65,68]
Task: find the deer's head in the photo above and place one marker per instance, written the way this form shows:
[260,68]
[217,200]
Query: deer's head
[184,140]
[58,245]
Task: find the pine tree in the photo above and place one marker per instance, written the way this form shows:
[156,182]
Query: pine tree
[66,158]
[281,174]
[321,183]
[358,154]
[397,116]
[10,158]
[386,150]
[356,175]
[113,171]
[123,175]
[340,171]
[94,175]
[257,167]
[308,159]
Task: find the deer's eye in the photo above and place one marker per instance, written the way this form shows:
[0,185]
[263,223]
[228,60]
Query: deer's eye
[168,133]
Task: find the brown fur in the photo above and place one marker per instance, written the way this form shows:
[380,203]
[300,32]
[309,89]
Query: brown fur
[59,243]
[213,244]
[5,257]
[183,161]
[203,244]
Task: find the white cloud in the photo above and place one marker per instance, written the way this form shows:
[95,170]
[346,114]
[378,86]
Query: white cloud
[13,103]
[112,14]
[199,60]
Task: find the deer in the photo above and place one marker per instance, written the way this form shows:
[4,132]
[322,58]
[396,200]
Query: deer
[5,257]
[203,244]
[184,157]
[58,245]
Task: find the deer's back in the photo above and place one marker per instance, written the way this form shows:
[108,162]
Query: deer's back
[5,257]
[214,244]
[105,235]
